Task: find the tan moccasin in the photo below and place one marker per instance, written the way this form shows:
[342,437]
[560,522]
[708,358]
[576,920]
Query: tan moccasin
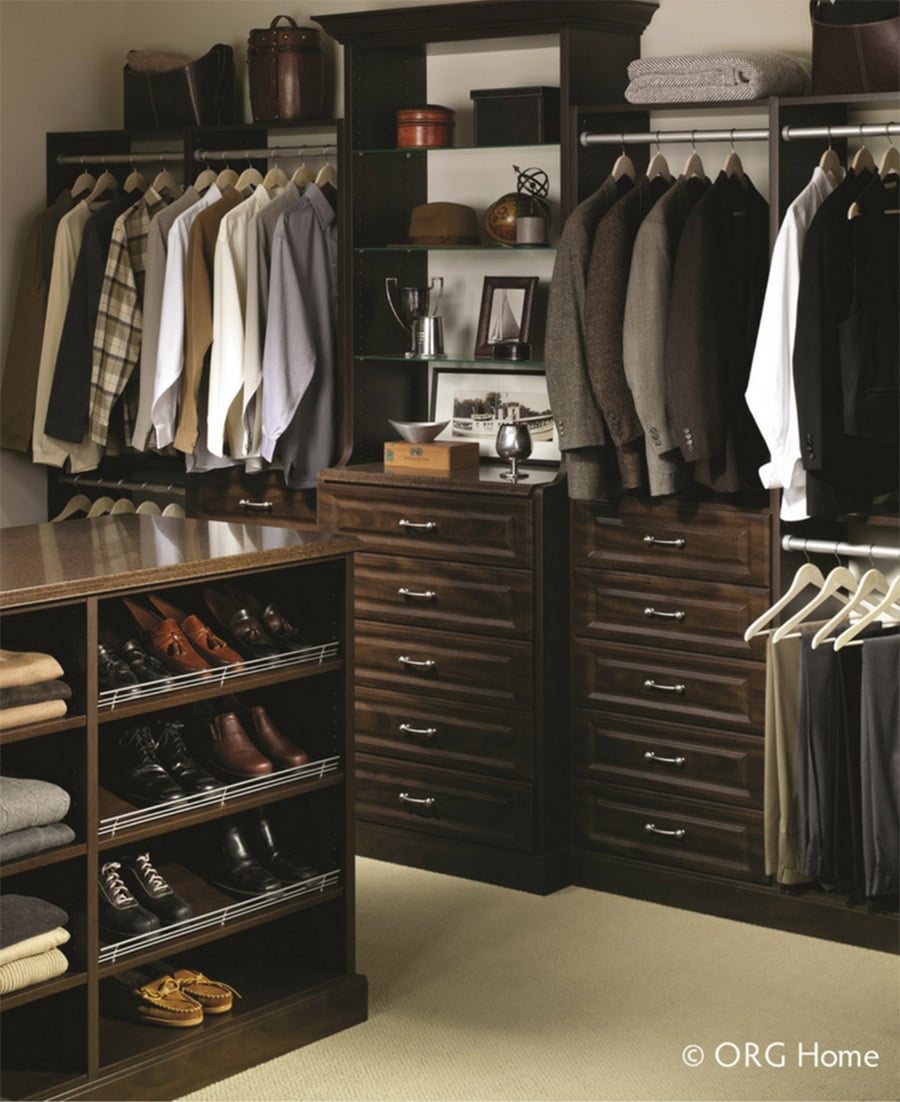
[214,996]
[162,1002]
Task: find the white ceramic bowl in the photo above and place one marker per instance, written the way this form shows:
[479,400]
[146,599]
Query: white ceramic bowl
[419,432]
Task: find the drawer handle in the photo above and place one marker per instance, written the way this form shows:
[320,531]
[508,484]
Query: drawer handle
[420,664]
[257,506]
[652,828]
[650,756]
[404,797]
[664,615]
[425,732]
[422,595]
[649,683]
[424,526]
[664,543]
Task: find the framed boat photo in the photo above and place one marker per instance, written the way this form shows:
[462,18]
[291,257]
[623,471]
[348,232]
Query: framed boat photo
[477,403]
[506,304]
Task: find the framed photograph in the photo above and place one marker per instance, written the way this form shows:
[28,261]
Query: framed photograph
[506,303]
[477,403]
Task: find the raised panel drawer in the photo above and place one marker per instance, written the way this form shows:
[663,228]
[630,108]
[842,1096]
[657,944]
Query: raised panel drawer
[458,736]
[444,802]
[710,765]
[263,498]
[438,665]
[679,539]
[672,831]
[448,595]
[707,617]
[684,688]
[471,527]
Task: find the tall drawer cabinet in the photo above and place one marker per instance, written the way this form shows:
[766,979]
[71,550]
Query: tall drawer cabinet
[461,718]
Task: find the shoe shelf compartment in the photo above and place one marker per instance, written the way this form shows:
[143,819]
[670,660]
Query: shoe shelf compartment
[45,1040]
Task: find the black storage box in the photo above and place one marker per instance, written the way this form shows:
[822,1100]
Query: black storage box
[516,116]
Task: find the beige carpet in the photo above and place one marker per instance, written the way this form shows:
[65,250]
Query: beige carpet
[477,992]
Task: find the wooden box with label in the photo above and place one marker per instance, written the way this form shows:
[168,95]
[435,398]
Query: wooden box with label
[435,457]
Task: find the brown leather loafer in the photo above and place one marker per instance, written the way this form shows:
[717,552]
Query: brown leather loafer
[271,742]
[162,1002]
[230,750]
[203,639]
[167,641]
[214,996]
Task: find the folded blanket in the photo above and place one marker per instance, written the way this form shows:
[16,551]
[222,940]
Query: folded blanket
[23,973]
[17,695]
[31,946]
[23,916]
[27,667]
[31,713]
[30,803]
[697,78]
[23,843]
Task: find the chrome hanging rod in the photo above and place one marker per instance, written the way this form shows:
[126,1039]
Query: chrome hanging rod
[123,484]
[733,134]
[848,550]
[274,151]
[864,130]
[120,158]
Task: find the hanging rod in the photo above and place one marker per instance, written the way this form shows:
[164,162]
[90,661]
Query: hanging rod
[734,134]
[120,158]
[832,547]
[863,130]
[78,480]
[258,154]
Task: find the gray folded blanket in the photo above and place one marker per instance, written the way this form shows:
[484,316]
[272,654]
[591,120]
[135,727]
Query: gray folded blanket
[30,803]
[23,843]
[698,78]
[27,916]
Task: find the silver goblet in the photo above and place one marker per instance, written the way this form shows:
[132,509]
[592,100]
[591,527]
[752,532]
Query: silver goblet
[514,444]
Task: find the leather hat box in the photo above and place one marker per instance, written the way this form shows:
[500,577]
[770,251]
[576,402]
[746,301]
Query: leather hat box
[516,116]
[429,127]
[286,76]
[199,93]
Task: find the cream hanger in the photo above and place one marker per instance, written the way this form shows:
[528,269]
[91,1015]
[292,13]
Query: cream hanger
[327,174]
[101,507]
[106,182]
[134,181]
[873,581]
[123,505]
[863,161]
[165,181]
[888,605]
[302,176]
[226,178]
[658,165]
[890,160]
[250,178]
[148,509]
[275,179]
[624,165]
[173,509]
[80,503]
[85,182]
[693,166]
[808,574]
[205,179]
[732,165]
[830,162]
[841,577]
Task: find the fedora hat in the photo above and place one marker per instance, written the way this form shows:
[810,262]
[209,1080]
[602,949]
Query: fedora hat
[443,224]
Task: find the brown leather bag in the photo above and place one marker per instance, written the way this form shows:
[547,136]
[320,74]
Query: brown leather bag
[850,55]
[286,79]
[200,93]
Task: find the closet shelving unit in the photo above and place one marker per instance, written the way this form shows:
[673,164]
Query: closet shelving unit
[668,802]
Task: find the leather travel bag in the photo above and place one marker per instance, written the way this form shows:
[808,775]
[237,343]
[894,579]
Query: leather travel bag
[200,93]
[855,46]
[286,77]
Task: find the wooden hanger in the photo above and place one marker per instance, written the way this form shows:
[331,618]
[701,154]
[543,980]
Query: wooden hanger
[624,165]
[80,503]
[327,174]
[889,605]
[84,183]
[250,178]
[840,578]
[164,181]
[106,182]
[101,507]
[863,161]
[148,509]
[123,505]
[275,179]
[173,509]
[303,175]
[873,581]
[808,574]
[134,181]
[733,166]
[205,180]
[658,165]
[890,160]
[226,178]
[830,162]
[693,166]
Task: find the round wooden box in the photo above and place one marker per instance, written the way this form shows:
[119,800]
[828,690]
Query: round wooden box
[429,127]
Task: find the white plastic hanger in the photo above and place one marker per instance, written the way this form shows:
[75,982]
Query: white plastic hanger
[733,166]
[101,507]
[830,162]
[327,174]
[658,165]
[80,503]
[873,581]
[808,574]
[890,160]
[840,578]
[889,605]
[693,166]
[275,180]
[863,161]
[624,165]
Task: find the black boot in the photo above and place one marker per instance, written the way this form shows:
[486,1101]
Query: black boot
[152,891]
[236,870]
[139,774]
[266,848]
[176,759]
[120,915]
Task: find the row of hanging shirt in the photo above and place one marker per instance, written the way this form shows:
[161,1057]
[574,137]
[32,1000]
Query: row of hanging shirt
[832,786]
[823,385]
[200,322]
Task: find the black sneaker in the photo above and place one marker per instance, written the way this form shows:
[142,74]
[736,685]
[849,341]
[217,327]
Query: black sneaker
[175,758]
[139,773]
[152,891]
[121,916]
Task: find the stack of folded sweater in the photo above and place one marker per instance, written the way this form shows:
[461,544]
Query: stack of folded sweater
[30,934]
[712,78]
[31,814]
[30,689]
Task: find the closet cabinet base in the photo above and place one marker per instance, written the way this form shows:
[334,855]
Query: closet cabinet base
[813,913]
[540,874]
[190,1063]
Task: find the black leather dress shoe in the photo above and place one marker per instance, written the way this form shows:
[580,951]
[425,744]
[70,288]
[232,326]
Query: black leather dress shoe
[236,869]
[143,665]
[175,758]
[240,626]
[121,916]
[265,846]
[152,891]
[139,773]
[112,671]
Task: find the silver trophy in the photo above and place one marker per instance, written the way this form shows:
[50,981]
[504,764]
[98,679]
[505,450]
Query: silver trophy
[416,312]
[514,444]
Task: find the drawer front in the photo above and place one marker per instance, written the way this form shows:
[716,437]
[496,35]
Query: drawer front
[684,688]
[684,540]
[461,737]
[263,498]
[707,617]
[671,831]
[686,761]
[446,595]
[441,665]
[438,526]
[444,802]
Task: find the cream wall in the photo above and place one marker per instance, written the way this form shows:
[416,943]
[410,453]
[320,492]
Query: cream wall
[60,69]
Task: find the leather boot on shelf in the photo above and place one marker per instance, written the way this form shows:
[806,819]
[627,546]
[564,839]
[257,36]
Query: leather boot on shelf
[203,639]
[269,741]
[120,914]
[138,773]
[236,870]
[215,996]
[265,846]
[167,641]
[176,759]
[152,890]
[229,750]
[163,1002]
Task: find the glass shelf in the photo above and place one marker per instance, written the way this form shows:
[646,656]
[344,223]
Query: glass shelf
[457,148]
[400,358]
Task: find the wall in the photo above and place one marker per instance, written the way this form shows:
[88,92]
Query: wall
[60,69]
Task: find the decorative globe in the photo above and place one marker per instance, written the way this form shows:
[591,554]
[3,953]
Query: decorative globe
[529,201]
[500,218]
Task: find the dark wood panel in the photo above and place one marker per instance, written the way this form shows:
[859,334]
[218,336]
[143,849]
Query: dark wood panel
[459,736]
[671,831]
[706,617]
[445,595]
[687,761]
[260,498]
[685,688]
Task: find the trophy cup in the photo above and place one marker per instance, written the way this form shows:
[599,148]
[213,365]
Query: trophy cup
[513,443]
[416,313]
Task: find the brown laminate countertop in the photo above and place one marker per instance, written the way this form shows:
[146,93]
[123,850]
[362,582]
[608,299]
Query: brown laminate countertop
[485,478]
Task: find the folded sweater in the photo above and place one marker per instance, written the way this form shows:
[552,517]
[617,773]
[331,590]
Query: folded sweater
[27,667]
[23,973]
[23,916]
[31,713]
[708,78]
[31,946]
[23,843]
[17,695]
[26,802]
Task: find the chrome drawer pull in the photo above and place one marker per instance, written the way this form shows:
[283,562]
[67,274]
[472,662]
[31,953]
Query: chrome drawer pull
[664,615]
[649,683]
[427,664]
[259,506]
[405,798]
[650,756]
[426,732]
[425,526]
[424,595]
[652,828]
[664,543]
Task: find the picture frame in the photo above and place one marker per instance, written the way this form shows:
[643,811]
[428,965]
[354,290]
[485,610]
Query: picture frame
[506,305]
[477,402]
